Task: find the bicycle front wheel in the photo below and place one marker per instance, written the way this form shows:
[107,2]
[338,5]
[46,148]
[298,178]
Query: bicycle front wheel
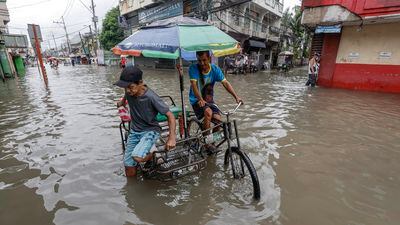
[194,127]
[244,173]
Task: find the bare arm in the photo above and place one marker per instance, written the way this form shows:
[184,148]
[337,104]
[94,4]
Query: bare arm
[230,89]
[311,65]
[122,102]
[197,93]
[171,142]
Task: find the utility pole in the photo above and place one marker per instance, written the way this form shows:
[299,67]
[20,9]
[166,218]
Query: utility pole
[66,33]
[83,43]
[91,41]
[48,43]
[95,20]
[55,44]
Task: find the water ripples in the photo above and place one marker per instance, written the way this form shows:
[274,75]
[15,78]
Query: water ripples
[62,144]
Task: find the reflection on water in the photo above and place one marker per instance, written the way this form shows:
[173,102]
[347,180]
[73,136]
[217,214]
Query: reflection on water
[323,156]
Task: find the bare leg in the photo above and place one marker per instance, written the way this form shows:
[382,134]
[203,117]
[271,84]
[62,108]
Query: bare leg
[130,171]
[145,159]
[217,118]
[207,119]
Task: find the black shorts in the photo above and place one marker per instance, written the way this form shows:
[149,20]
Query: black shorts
[199,111]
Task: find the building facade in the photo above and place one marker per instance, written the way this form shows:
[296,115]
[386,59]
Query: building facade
[359,41]
[13,47]
[253,23]
[4,16]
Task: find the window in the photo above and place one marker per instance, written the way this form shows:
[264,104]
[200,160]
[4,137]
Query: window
[235,18]
[254,17]
[247,18]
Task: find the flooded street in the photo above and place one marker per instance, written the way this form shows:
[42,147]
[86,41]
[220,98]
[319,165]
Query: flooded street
[323,156]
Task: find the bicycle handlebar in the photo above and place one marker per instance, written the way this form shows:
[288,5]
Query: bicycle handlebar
[229,112]
[237,107]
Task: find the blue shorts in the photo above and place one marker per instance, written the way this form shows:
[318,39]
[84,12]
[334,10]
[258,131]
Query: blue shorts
[139,145]
[199,111]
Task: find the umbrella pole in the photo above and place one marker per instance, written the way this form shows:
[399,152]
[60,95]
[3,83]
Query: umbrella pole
[181,84]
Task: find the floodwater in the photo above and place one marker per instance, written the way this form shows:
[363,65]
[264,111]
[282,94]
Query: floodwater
[323,156]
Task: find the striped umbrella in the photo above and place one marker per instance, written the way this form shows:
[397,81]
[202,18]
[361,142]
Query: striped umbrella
[175,38]
[171,38]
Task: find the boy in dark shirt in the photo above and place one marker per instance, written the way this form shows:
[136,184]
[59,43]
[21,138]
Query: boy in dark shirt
[144,105]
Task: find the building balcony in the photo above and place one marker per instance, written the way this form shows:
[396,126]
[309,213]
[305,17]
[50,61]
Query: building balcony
[362,8]
[247,30]
[274,30]
[127,6]
[4,15]
[274,6]
[273,38]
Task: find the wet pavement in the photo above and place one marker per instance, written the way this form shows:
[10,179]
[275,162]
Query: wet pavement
[323,156]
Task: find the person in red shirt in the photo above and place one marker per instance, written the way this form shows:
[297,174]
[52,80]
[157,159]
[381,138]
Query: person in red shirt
[123,62]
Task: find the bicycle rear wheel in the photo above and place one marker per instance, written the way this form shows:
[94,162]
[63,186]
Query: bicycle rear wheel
[243,172]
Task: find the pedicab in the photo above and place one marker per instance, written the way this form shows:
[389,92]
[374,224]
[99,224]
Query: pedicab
[285,59]
[173,39]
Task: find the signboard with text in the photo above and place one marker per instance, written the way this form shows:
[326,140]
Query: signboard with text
[328,29]
[171,9]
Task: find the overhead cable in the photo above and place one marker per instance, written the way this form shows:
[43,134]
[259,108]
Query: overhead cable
[27,5]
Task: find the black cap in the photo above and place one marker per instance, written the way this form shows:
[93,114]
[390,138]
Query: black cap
[129,75]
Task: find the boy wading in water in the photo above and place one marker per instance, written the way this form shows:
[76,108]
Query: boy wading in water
[144,105]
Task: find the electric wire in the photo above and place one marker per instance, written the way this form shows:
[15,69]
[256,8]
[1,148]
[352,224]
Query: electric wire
[63,36]
[88,8]
[27,5]
[70,8]
[67,7]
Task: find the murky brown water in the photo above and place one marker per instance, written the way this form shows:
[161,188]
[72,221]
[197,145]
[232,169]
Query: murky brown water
[323,156]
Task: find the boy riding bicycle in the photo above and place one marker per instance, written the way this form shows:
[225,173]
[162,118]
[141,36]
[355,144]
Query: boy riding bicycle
[203,77]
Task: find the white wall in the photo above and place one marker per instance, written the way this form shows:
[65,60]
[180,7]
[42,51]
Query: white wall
[4,15]
[370,44]
[274,6]
[127,6]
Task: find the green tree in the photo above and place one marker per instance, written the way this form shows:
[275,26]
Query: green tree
[111,34]
[286,18]
[301,35]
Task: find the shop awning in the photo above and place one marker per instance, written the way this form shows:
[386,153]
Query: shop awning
[257,44]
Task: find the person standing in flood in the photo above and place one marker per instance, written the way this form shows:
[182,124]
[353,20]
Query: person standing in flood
[313,67]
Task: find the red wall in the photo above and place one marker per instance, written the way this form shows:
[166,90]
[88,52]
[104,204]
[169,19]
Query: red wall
[328,59]
[360,7]
[384,78]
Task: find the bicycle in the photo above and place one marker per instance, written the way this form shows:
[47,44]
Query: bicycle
[190,154]
[234,155]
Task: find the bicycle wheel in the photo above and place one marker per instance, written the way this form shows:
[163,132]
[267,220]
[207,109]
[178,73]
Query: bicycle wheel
[194,126]
[244,173]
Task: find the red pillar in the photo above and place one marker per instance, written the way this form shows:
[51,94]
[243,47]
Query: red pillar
[328,59]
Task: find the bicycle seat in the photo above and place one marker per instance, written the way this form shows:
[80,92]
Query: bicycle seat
[176,110]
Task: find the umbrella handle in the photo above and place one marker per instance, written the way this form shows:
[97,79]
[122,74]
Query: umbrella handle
[179,68]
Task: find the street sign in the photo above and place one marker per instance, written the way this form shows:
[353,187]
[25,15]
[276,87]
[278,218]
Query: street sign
[385,55]
[122,22]
[38,33]
[354,55]
[328,29]
[95,19]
